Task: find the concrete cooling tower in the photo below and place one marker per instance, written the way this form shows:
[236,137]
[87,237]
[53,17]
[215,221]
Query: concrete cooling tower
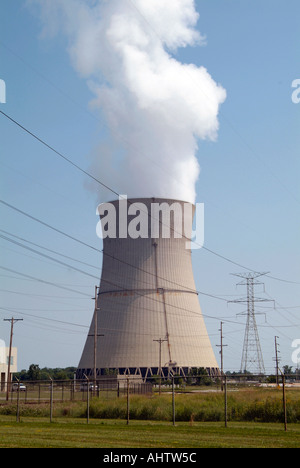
[148,313]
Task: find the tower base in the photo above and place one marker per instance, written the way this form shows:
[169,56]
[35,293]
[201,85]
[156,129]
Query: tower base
[144,372]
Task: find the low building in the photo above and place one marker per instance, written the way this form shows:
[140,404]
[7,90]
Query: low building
[4,358]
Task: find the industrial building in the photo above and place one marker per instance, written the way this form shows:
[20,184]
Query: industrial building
[4,356]
[147,315]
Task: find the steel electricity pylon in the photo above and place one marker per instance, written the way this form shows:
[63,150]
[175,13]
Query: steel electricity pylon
[252,358]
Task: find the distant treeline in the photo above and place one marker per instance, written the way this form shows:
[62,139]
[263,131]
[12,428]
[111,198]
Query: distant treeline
[197,376]
[35,373]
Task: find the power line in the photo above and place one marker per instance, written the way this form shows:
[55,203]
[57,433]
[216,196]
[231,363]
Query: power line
[108,282]
[47,249]
[227,259]
[98,250]
[282,280]
[58,153]
[102,121]
[46,318]
[207,316]
[48,257]
[48,225]
[43,281]
[59,231]
[116,193]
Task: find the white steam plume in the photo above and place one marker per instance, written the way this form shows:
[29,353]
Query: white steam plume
[156,107]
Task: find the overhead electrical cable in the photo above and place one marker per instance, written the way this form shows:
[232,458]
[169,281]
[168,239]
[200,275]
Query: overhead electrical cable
[58,153]
[98,250]
[42,281]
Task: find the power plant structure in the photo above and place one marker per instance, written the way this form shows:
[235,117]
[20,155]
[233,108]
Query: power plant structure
[147,316]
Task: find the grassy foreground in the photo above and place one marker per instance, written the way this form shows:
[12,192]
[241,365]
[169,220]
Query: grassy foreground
[75,433]
[245,405]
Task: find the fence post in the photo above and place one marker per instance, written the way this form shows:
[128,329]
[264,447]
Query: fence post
[18,402]
[173,399]
[51,400]
[74,385]
[225,399]
[284,402]
[87,400]
[128,409]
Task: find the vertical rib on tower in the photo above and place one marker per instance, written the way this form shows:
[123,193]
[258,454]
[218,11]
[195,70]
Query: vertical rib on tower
[147,292]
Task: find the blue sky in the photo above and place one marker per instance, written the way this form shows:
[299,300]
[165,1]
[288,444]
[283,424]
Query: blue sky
[249,181]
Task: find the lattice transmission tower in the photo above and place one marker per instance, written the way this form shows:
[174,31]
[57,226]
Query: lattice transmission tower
[252,358]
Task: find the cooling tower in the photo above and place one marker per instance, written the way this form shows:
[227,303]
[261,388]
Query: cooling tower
[147,293]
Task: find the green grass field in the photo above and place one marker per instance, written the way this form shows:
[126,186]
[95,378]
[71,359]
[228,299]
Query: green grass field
[255,420]
[76,433]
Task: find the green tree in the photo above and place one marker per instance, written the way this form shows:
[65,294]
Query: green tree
[199,376]
[34,372]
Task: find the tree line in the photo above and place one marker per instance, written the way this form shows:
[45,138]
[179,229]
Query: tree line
[36,373]
[197,376]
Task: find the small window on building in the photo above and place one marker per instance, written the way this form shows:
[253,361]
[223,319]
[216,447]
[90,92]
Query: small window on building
[11,360]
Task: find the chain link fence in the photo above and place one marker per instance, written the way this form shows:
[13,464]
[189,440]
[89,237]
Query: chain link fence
[199,398]
[68,390]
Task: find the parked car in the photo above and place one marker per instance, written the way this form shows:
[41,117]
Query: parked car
[16,386]
[92,387]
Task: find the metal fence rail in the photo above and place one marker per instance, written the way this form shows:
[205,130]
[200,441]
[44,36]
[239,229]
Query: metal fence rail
[69,390]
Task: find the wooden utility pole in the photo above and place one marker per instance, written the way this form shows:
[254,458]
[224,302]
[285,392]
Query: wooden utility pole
[95,335]
[160,341]
[51,399]
[277,361]
[284,400]
[221,345]
[225,400]
[12,321]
